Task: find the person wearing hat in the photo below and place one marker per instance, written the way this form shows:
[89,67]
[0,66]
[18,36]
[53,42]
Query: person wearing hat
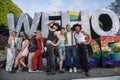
[82,48]
[32,48]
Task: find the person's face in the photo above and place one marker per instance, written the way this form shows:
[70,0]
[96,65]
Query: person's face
[68,28]
[62,31]
[77,28]
[33,35]
[21,34]
[13,34]
[55,27]
[37,32]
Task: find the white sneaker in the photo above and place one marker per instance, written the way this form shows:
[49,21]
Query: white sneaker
[39,71]
[30,70]
[70,70]
[75,69]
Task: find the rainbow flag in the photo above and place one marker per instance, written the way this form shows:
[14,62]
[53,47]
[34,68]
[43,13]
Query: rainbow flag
[74,16]
[114,44]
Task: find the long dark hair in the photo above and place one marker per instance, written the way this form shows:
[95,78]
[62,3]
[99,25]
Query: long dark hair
[26,36]
[20,32]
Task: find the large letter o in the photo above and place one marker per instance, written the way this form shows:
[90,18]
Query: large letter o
[96,26]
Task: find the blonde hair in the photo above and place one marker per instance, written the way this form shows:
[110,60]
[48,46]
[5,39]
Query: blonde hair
[39,34]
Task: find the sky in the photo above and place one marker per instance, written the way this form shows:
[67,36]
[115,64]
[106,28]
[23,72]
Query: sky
[32,6]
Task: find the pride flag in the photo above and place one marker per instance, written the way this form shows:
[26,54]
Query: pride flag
[74,16]
[114,44]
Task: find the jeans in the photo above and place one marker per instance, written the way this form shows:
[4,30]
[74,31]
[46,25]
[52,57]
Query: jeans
[61,52]
[71,55]
[50,56]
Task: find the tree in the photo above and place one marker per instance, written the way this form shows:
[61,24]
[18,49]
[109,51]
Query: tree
[115,6]
[6,7]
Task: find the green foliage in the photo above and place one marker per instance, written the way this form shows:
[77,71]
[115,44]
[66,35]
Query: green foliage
[3,55]
[115,6]
[6,7]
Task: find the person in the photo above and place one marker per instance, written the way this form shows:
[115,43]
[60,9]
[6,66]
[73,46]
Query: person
[20,40]
[38,54]
[20,59]
[61,48]
[50,48]
[32,48]
[82,48]
[19,46]
[71,49]
[11,48]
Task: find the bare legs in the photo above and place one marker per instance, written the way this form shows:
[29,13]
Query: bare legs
[60,65]
[19,61]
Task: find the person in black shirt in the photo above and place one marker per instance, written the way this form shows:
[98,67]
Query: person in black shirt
[32,48]
[50,48]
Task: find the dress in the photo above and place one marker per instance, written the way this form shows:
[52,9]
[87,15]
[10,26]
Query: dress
[25,51]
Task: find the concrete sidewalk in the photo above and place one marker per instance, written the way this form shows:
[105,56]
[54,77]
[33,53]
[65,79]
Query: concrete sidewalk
[96,74]
[102,78]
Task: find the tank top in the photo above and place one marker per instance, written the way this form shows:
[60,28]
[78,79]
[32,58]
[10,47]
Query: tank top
[62,42]
[51,36]
[80,37]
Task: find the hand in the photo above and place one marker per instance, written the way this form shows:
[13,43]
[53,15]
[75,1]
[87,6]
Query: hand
[53,21]
[42,51]
[49,42]
[45,49]
[87,43]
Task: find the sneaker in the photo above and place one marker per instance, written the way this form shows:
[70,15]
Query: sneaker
[48,73]
[14,70]
[70,70]
[87,74]
[11,71]
[80,71]
[33,71]
[75,69]
[62,71]
[53,72]
[25,69]
[30,70]
[39,71]
[19,70]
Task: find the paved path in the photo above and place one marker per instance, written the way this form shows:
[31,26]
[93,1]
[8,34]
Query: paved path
[96,74]
[102,78]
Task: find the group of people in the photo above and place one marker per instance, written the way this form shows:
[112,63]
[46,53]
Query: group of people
[63,42]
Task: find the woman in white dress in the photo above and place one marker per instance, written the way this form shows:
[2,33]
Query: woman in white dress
[11,48]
